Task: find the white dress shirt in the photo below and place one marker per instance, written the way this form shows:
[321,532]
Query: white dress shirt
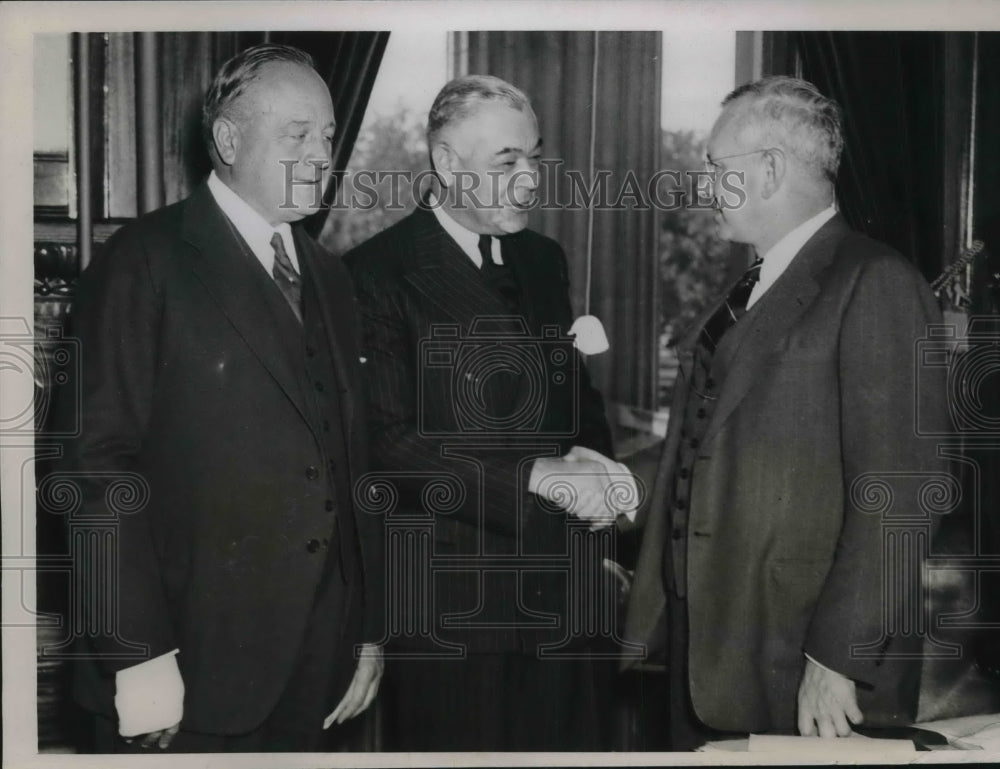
[252,226]
[467,240]
[781,254]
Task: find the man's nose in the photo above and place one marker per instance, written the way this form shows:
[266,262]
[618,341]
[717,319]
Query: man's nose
[316,154]
[527,174]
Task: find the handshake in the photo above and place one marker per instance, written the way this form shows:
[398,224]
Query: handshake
[586,484]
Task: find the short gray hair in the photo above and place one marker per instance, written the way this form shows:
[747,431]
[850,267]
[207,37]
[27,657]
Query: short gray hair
[792,114]
[460,97]
[239,72]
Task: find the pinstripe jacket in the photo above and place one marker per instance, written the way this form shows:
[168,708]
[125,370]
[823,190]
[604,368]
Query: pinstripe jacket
[461,401]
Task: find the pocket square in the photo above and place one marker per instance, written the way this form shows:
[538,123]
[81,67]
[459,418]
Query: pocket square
[590,338]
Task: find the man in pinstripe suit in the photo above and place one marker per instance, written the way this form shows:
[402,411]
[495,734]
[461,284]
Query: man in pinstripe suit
[454,299]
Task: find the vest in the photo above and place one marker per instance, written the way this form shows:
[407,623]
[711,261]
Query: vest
[309,350]
[707,377]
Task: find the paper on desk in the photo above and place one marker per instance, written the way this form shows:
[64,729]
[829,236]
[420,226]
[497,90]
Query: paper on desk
[855,744]
[968,731]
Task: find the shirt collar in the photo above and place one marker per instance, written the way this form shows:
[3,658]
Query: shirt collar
[781,254]
[467,240]
[251,225]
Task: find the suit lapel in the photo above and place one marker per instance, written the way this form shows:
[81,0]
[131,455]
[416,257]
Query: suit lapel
[335,302]
[230,275]
[444,274]
[745,356]
[536,294]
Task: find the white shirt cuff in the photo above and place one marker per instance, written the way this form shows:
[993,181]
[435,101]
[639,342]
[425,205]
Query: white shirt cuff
[149,696]
[820,664]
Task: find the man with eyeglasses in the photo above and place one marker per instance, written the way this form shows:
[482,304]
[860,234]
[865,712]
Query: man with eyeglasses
[764,550]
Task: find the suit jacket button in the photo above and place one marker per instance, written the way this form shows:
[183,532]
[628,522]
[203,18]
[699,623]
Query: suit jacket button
[328,505]
[312,473]
[312,545]
[677,533]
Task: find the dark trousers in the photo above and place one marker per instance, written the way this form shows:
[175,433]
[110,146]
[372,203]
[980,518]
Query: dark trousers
[322,671]
[498,702]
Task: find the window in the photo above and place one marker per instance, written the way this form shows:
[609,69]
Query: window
[53,127]
[698,71]
[413,70]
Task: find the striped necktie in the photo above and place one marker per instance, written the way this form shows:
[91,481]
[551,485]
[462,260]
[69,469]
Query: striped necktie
[732,309]
[286,277]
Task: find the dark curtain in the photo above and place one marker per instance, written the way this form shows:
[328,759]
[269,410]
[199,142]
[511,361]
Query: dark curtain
[349,61]
[987,193]
[556,70]
[901,170]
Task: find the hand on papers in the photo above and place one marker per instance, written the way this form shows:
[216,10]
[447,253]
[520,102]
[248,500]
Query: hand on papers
[587,485]
[827,702]
[363,688]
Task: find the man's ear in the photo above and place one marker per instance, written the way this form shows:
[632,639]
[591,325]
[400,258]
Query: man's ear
[226,136]
[775,166]
[444,162]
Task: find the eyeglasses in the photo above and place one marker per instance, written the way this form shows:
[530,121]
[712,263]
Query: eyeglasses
[712,164]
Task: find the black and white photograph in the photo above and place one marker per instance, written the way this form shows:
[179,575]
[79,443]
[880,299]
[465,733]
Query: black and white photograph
[511,383]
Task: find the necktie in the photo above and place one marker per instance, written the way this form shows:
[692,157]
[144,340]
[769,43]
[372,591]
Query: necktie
[732,309]
[486,251]
[286,277]
[497,275]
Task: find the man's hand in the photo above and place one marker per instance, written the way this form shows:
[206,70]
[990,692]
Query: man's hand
[161,739]
[363,688]
[148,697]
[578,485]
[827,701]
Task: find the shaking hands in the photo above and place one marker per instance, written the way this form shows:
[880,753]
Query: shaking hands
[586,484]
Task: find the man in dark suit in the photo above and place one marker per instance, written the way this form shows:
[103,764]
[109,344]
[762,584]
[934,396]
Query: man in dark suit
[221,375]
[795,403]
[474,384]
